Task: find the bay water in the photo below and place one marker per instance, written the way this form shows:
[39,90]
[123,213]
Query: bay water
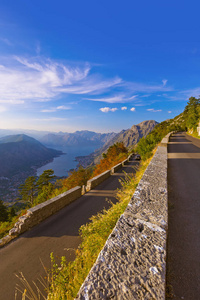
[62,164]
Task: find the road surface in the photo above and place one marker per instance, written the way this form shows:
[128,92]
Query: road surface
[57,234]
[183,262]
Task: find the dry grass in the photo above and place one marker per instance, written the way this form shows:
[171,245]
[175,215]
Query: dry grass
[65,280]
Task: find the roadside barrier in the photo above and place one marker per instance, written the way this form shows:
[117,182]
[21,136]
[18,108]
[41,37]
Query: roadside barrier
[97,180]
[132,264]
[40,212]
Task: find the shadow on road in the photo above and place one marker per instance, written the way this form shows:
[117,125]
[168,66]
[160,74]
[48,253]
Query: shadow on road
[68,220]
[58,234]
[183,268]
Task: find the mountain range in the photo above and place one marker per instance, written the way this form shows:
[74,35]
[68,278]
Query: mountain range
[129,137]
[78,138]
[20,152]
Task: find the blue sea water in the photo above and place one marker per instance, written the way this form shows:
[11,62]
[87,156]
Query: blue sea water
[62,164]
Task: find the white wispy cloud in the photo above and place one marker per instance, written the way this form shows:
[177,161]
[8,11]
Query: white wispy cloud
[124,108]
[6,41]
[2,108]
[144,96]
[41,79]
[164,81]
[122,98]
[195,92]
[63,107]
[107,109]
[136,87]
[91,85]
[49,110]
[169,111]
[38,48]
[154,110]
[54,109]
[15,102]
[132,109]
[49,119]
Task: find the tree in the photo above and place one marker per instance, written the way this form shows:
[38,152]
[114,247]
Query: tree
[44,186]
[191,113]
[11,212]
[28,189]
[115,154]
[45,179]
[76,178]
[3,212]
[44,194]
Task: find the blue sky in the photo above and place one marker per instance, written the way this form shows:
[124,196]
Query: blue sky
[96,65]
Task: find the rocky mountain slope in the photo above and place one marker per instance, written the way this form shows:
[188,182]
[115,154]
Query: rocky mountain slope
[78,138]
[20,152]
[129,137]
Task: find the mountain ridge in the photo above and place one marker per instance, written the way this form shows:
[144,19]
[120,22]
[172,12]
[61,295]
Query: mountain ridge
[21,153]
[129,137]
[78,138]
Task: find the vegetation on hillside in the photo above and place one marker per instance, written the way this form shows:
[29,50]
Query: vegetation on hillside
[115,154]
[186,121]
[65,279]
[146,145]
[6,214]
[192,114]
[21,152]
[37,190]
[8,217]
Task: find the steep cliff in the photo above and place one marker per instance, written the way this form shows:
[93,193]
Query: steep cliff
[129,137]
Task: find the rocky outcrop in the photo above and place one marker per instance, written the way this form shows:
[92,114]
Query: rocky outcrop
[129,138]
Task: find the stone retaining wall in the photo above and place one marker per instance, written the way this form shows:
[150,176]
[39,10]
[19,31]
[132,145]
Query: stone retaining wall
[115,168]
[125,162]
[132,264]
[97,180]
[40,212]
[100,178]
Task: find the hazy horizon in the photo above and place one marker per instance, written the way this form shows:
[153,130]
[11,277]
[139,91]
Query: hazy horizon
[56,132]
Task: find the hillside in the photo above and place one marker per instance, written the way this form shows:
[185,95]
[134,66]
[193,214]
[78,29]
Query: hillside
[78,138]
[20,152]
[129,137]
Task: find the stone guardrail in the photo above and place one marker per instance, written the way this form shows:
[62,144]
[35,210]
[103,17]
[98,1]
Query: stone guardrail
[97,180]
[40,212]
[115,168]
[132,264]
[165,140]
[100,178]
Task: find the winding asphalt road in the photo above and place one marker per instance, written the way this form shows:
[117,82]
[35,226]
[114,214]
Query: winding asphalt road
[183,262]
[57,234]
